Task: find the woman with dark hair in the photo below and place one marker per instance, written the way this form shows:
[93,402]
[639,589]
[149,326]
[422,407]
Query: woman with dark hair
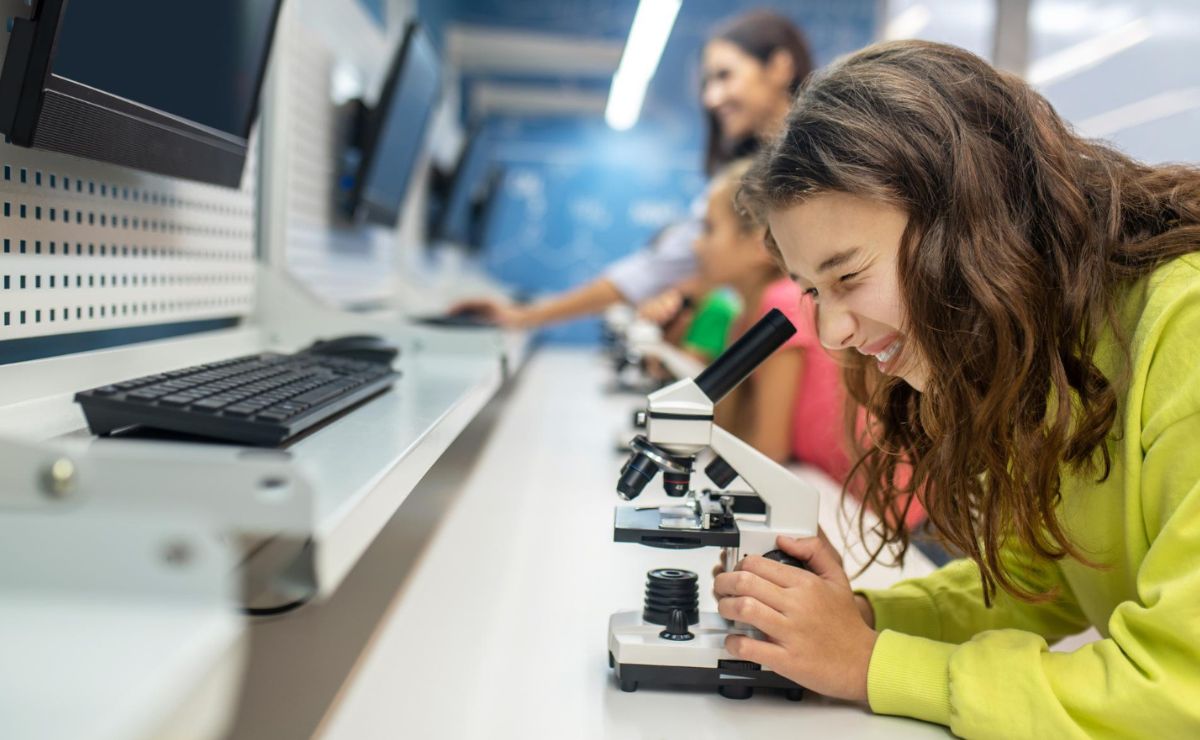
[753,66]
[1023,306]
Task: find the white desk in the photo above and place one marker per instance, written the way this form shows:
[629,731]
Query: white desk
[500,628]
[114,627]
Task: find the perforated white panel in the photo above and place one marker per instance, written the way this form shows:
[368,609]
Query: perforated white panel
[87,246]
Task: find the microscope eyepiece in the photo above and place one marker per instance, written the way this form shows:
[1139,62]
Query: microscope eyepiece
[744,355]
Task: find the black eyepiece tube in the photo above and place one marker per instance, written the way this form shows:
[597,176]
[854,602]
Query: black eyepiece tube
[743,356]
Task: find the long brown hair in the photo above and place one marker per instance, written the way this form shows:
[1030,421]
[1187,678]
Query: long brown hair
[759,33]
[1020,235]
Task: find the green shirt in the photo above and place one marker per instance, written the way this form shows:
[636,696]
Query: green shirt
[943,657]
[709,331]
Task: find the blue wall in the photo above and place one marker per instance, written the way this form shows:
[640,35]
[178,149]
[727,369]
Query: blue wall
[576,195]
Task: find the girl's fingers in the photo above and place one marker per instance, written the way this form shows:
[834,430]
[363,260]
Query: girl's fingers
[766,654]
[817,554]
[753,612]
[745,583]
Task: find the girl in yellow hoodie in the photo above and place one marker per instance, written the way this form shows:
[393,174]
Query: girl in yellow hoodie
[1023,309]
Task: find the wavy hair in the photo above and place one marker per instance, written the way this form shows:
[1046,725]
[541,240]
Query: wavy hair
[1020,236]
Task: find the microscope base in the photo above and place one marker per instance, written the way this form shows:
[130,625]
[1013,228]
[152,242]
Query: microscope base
[639,657]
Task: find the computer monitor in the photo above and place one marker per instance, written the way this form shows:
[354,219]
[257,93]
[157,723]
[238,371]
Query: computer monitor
[395,130]
[166,87]
[483,208]
[450,195]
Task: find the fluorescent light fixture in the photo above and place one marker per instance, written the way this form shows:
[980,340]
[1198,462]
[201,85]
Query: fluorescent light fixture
[1153,108]
[1087,54]
[647,38]
[907,23]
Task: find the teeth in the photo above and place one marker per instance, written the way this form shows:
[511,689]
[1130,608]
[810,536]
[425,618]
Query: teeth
[888,353]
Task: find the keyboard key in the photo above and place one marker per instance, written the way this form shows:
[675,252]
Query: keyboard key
[211,404]
[176,400]
[145,394]
[323,394]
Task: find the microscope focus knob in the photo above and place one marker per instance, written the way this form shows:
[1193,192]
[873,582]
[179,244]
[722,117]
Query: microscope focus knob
[677,627]
[780,556]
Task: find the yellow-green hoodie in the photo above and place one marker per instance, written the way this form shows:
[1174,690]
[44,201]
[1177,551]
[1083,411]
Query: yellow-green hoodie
[942,656]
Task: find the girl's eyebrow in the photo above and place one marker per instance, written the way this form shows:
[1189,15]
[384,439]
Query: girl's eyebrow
[837,260]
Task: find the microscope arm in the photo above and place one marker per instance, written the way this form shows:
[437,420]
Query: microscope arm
[792,504]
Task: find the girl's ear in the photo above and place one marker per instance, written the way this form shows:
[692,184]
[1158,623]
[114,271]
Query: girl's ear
[781,68]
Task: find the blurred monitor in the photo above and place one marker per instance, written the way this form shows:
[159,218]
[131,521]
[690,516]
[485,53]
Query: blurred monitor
[169,87]
[395,130]
[482,209]
[451,195]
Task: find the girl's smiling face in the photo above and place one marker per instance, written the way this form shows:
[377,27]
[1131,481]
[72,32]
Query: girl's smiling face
[843,251]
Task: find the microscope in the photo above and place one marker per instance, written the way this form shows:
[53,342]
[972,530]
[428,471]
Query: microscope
[630,341]
[670,642]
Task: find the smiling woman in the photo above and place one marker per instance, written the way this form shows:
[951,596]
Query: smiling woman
[752,68]
[1023,307]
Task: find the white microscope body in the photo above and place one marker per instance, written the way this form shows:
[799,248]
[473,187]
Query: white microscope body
[670,642]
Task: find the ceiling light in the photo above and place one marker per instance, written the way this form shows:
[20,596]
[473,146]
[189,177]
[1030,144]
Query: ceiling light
[647,38]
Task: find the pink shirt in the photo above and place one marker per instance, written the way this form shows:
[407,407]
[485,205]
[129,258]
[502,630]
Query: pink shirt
[818,418]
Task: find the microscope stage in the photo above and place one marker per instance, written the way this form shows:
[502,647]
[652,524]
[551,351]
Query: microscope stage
[646,527]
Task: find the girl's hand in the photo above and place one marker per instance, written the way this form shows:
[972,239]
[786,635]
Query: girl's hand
[661,308]
[815,630]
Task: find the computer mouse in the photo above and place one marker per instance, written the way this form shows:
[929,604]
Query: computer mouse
[365,347]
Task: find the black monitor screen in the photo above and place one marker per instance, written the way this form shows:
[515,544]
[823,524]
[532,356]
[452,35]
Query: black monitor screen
[398,128]
[453,216]
[196,60]
[483,209]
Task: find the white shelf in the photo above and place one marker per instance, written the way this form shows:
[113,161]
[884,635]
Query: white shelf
[83,668]
[91,619]
[114,625]
[343,480]
[362,468]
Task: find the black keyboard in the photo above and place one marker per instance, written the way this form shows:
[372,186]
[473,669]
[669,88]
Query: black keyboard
[262,399]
